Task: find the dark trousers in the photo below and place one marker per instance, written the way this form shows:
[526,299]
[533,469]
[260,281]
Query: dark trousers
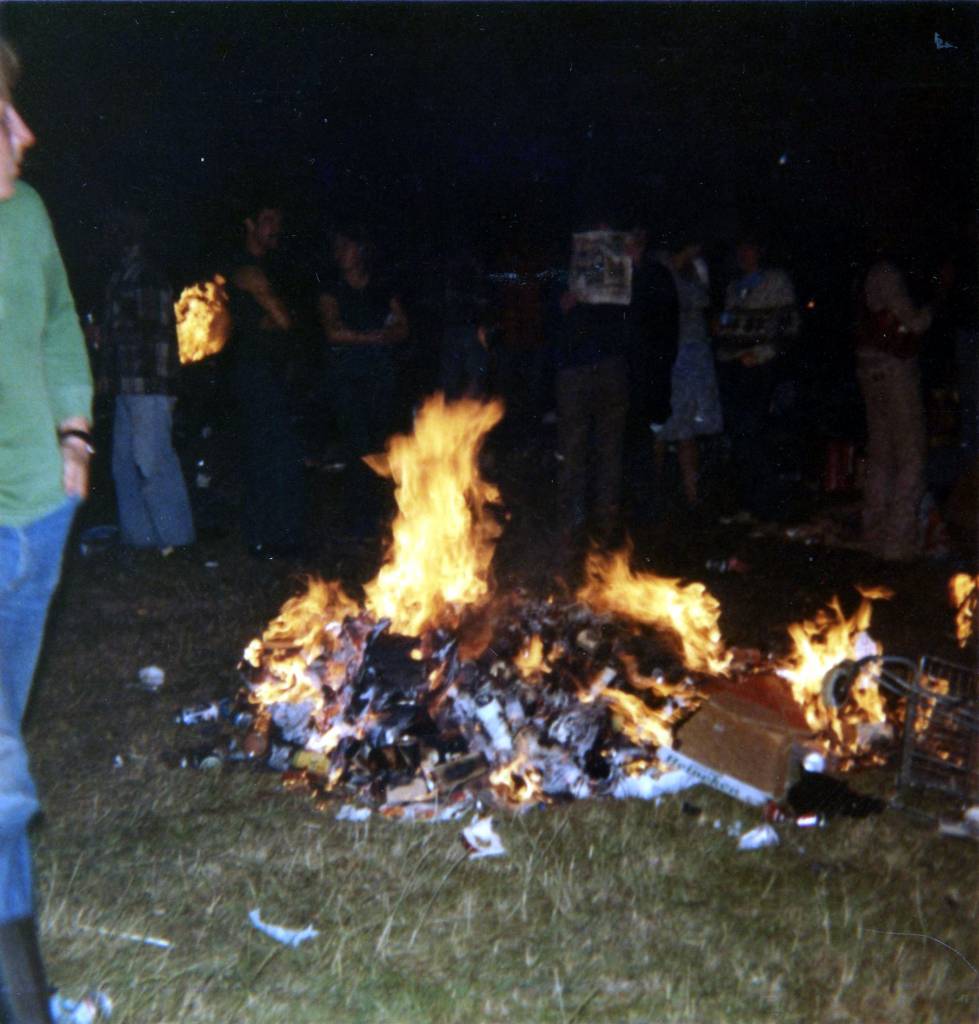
[746,400]
[272,486]
[592,402]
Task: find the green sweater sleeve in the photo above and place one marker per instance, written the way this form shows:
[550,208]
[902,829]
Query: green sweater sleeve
[44,374]
[66,365]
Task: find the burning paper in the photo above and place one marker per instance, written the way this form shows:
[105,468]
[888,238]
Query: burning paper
[203,320]
[963,592]
[438,691]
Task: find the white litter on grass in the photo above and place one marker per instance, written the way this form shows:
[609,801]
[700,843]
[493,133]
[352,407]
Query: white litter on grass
[151,677]
[757,838]
[90,1008]
[967,828]
[350,813]
[143,940]
[287,936]
[481,840]
[649,786]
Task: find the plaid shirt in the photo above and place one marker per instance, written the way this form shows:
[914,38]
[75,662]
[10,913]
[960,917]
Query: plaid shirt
[139,331]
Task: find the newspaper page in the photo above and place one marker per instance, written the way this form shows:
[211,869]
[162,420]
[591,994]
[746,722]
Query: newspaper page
[601,272]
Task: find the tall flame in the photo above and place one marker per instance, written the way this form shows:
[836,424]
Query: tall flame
[690,612]
[444,533]
[963,592]
[203,320]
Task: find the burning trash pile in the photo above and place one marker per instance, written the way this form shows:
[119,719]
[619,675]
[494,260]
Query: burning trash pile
[435,691]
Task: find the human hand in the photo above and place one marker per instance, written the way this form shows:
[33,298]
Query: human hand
[75,460]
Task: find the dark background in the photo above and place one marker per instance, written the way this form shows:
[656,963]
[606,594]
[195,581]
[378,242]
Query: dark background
[821,124]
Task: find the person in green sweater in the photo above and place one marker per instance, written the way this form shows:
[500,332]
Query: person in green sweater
[45,448]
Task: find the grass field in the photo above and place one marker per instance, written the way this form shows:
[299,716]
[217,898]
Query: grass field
[601,911]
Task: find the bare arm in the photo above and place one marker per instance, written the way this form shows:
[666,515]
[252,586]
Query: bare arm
[75,458]
[396,328]
[254,281]
[337,332]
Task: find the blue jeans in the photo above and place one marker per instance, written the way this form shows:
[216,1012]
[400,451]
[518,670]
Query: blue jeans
[154,509]
[30,566]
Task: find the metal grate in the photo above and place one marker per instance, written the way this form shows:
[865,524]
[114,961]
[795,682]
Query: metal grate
[940,749]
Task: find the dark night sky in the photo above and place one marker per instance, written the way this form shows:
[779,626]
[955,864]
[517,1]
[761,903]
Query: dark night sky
[429,119]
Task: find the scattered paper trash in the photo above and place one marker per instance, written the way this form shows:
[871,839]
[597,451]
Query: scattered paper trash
[287,936]
[350,813]
[151,678]
[90,1008]
[967,828]
[97,538]
[481,840]
[648,787]
[757,838]
[144,940]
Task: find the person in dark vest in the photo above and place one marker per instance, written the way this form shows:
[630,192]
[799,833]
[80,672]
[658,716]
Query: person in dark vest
[272,486]
[363,320]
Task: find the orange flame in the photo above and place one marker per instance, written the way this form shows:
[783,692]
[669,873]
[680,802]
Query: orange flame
[303,631]
[444,534]
[820,644]
[203,320]
[690,612]
[963,592]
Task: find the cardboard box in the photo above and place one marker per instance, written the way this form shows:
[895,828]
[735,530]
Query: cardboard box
[750,731]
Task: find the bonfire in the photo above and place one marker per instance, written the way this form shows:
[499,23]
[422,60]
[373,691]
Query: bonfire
[439,689]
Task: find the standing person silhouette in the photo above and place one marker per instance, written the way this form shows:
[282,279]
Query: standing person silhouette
[46,389]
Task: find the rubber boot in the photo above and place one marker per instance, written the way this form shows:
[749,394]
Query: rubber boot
[23,985]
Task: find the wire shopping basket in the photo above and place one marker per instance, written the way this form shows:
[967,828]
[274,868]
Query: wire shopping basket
[940,744]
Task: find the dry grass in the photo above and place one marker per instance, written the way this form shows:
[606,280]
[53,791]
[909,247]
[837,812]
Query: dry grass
[599,912]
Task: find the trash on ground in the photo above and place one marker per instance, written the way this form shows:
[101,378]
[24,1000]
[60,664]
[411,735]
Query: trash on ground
[97,539]
[144,940]
[757,838]
[747,740]
[818,795]
[350,813]
[287,936]
[966,828]
[151,677]
[481,839]
[90,1008]
[650,786]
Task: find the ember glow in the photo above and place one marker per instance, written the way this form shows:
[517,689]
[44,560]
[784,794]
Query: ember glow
[438,688]
[963,592]
[203,320]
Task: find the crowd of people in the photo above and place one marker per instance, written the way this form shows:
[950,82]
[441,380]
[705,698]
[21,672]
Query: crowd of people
[638,358]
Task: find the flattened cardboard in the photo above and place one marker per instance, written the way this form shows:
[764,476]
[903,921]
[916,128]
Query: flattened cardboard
[751,731]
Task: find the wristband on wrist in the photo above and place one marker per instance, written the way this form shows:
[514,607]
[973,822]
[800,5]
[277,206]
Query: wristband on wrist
[82,435]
